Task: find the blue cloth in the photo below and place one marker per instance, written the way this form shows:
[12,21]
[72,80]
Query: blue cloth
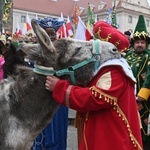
[54,136]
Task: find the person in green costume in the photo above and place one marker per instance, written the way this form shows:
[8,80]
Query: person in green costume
[138,57]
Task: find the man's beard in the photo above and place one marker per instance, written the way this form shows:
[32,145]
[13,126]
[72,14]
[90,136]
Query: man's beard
[139,50]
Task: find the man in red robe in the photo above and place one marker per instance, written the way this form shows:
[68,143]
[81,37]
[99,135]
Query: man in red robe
[107,113]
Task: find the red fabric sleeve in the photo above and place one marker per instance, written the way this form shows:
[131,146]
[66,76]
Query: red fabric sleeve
[83,100]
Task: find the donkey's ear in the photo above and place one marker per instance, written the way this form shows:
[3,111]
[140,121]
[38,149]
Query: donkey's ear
[12,49]
[32,51]
[3,48]
[42,37]
[2,45]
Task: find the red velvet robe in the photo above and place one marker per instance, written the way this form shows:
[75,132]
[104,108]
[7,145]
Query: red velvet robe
[107,112]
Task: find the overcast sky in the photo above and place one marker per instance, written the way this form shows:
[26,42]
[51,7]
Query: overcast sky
[148,1]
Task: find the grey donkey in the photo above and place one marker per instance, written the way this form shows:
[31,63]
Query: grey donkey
[26,107]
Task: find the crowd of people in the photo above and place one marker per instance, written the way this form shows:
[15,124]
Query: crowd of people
[12,56]
[98,125]
[15,38]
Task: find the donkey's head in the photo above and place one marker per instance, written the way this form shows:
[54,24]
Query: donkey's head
[68,56]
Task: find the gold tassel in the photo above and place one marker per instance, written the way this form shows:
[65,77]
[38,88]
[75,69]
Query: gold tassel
[77,119]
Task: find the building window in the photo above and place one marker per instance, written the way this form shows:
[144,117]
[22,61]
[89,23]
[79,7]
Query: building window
[130,19]
[147,23]
[23,19]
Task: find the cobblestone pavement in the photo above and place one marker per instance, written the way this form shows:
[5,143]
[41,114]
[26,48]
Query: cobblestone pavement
[72,133]
[72,138]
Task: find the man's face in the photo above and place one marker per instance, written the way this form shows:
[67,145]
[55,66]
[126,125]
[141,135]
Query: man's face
[139,46]
[51,33]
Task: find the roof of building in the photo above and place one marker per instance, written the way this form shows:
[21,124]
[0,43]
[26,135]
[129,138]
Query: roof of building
[55,7]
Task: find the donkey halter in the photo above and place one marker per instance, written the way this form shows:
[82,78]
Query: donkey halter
[70,70]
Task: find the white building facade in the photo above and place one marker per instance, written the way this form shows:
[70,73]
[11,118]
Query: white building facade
[127,11]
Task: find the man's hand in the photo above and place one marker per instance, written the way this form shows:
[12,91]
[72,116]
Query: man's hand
[51,82]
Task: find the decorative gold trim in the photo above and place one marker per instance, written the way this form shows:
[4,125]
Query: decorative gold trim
[97,35]
[117,43]
[139,72]
[77,119]
[86,147]
[113,101]
[139,34]
[109,99]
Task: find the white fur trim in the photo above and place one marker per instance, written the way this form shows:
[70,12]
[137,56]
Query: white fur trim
[119,62]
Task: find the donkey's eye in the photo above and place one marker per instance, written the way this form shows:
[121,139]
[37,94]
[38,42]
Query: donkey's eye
[77,51]
[114,49]
[78,48]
